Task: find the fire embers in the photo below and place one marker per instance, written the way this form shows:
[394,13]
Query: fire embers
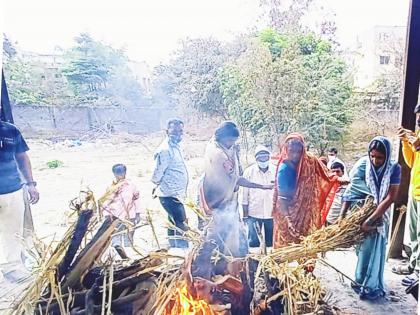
[185,304]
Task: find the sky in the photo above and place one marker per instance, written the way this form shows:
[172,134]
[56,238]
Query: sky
[150,30]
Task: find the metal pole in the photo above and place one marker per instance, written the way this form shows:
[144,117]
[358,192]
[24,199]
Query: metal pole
[6,110]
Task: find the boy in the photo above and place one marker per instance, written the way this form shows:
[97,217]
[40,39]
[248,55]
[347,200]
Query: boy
[121,201]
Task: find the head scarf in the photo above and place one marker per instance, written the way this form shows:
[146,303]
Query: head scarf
[378,180]
[366,181]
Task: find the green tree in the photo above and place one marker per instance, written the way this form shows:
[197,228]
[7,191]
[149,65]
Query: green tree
[99,73]
[301,86]
[89,64]
[190,79]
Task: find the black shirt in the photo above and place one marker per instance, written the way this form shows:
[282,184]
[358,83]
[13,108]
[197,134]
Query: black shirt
[11,143]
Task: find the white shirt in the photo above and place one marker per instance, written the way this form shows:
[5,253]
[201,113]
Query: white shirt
[259,201]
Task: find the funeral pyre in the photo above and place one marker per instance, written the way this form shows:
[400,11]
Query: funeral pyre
[74,277]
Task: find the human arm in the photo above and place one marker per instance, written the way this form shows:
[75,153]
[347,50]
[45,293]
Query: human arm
[162,160]
[382,208]
[24,165]
[248,184]
[245,199]
[345,206]
[408,148]
[136,204]
[408,153]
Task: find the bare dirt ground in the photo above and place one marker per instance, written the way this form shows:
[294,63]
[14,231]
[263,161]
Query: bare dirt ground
[89,165]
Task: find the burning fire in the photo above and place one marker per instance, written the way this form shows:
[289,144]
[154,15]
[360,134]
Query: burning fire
[185,304]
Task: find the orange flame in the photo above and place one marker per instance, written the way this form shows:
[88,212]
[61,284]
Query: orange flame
[185,304]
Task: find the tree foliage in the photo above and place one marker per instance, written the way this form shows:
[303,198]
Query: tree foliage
[89,73]
[190,80]
[271,84]
[289,83]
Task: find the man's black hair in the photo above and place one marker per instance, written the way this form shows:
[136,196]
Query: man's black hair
[119,169]
[336,165]
[226,129]
[333,150]
[175,122]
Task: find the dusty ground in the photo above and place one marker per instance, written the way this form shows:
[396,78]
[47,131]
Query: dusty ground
[89,165]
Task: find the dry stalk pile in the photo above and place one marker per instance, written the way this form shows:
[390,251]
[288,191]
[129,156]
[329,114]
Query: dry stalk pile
[337,236]
[72,278]
[300,292]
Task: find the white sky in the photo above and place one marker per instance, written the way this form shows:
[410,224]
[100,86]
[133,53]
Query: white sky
[151,29]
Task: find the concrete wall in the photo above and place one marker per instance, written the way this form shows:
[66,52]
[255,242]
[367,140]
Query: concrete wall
[136,120]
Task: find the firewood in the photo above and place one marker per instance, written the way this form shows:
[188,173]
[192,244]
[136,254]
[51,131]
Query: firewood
[78,235]
[123,273]
[93,250]
[230,283]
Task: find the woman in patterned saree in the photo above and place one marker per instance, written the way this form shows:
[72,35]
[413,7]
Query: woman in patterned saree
[303,185]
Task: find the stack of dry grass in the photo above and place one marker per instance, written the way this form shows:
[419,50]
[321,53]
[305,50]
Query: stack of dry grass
[72,280]
[344,234]
[300,292]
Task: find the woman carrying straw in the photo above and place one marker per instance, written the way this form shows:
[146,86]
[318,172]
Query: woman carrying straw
[378,176]
[303,185]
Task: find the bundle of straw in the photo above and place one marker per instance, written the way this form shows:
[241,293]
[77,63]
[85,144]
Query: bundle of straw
[344,234]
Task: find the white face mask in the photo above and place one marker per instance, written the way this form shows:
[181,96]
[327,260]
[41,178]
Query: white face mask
[263,165]
[331,158]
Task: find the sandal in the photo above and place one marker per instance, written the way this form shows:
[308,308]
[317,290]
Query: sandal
[402,270]
[407,281]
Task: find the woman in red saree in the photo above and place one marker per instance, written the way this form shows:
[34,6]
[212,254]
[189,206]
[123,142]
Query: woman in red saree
[301,191]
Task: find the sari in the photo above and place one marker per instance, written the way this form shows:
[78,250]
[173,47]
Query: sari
[365,182]
[313,185]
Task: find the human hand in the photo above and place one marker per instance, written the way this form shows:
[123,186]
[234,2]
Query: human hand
[366,227]
[416,143]
[291,227]
[33,194]
[343,181]
[401,133]
[267,187]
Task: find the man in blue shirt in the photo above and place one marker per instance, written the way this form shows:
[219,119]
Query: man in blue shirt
[14,166]
[171,179]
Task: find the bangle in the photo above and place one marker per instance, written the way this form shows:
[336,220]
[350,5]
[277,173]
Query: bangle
[33,183]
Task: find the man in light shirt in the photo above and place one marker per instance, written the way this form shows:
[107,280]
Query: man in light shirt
[171,179]
[257,204]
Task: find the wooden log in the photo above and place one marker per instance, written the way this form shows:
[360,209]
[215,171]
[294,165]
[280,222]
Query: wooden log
[123,273]
[78,235]
[123,290]
[92,304]
[201,265]
[90,300]
[90,253]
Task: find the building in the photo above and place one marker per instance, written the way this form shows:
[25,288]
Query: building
[378,51]
[142,74]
